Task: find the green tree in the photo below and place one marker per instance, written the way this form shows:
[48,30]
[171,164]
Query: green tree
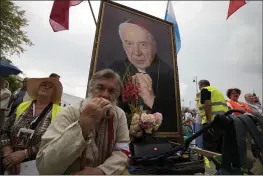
[3,58]
[12,21]
[14,83]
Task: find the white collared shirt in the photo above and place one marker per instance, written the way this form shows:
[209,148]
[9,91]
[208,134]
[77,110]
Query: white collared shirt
[4,103]
[141,70]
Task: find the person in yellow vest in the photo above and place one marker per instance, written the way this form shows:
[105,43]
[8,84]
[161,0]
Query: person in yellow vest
[211,102]
[22,131]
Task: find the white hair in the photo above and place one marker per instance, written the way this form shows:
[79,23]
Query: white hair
[122,25]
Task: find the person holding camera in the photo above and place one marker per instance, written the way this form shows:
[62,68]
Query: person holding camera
[21,134]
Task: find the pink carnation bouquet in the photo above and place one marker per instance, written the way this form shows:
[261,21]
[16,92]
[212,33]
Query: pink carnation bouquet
[145,123]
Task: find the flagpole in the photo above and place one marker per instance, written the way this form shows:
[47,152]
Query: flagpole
[196,83]
[167,5]
[92,13]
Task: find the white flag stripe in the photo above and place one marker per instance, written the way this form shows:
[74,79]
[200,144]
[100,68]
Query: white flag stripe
[170,10]
[170,16]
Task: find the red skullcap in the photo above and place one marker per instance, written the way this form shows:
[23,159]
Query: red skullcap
[139,23]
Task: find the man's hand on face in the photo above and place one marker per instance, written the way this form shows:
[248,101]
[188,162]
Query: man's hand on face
[92,114]
[146,91]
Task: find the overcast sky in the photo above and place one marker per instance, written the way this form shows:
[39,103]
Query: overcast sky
[226,52]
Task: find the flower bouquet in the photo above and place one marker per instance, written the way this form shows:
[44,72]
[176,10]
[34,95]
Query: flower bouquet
[145,124]
[130,96]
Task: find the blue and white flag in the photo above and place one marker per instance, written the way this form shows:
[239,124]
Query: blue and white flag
[169,16]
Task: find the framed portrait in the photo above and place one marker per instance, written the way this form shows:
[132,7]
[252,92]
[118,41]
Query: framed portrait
[133,42]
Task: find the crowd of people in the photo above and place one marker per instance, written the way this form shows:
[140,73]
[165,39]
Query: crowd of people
[91,137]
[210,102]
[191,117]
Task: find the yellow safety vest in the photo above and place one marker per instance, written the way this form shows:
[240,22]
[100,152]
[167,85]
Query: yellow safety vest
[218,104]
[25,105]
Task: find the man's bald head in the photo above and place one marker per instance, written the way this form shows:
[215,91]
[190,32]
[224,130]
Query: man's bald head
[249,97]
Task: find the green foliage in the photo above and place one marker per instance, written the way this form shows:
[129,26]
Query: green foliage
[14,84]
[3,58]
[12,20]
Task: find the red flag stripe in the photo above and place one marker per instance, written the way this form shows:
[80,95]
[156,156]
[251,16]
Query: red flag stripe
[75,2]
[59,16]
[234,5]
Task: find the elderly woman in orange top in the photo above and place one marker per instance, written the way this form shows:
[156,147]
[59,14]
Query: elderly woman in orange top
[21,134]
[233,102]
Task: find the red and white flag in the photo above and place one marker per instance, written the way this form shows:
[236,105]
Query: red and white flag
[234,5]
[59,16]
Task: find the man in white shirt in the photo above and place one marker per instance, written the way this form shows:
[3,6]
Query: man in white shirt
[5,95]
[256,110]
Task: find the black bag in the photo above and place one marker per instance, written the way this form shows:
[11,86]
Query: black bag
[150,147]
[168,164]
[181,168]
[234,158]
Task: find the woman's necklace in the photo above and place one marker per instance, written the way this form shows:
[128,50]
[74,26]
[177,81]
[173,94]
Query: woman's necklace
[37,109]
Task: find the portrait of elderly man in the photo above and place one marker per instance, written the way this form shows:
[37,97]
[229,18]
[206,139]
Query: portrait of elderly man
[156,78]
[90,138]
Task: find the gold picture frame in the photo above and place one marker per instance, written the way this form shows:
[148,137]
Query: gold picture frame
[177,135]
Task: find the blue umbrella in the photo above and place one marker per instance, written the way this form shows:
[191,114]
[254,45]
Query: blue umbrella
[8,69]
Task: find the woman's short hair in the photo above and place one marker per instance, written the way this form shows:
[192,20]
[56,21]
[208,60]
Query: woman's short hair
[229,91]
[105,74]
